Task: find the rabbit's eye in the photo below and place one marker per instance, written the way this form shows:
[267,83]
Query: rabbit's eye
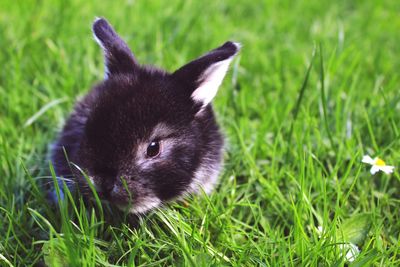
[154,149]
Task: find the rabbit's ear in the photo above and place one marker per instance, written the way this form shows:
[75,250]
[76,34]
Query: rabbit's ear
[203,76]
[117,55]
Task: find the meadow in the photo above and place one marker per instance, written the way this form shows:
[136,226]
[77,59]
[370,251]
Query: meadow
[314,89]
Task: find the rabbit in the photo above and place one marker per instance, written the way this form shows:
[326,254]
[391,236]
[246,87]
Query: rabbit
[144,136]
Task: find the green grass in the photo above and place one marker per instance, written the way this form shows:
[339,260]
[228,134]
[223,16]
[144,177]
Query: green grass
[293,159]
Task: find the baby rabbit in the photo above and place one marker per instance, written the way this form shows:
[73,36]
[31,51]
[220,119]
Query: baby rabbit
[144,136]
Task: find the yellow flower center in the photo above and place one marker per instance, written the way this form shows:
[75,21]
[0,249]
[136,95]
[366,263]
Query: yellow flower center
[380,162]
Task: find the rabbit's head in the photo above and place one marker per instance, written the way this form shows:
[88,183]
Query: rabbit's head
[151,136]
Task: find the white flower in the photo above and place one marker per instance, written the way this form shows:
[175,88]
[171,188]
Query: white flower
[351,251]
[377,165]
[319,231]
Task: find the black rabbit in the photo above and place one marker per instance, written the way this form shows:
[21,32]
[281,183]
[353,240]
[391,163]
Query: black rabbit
[144,136]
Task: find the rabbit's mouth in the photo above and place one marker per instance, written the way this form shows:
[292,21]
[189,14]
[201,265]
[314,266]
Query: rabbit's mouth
[134,205]
[120,199]
[129,201]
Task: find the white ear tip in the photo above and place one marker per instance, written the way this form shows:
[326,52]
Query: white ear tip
[238,45]
[96,19]
[97,23]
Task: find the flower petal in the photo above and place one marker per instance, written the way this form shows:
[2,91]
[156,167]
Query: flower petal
[367,159]
[375,169]
[319,231]
[351,251]
[387,169]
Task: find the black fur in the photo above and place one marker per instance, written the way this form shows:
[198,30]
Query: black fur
[108,129]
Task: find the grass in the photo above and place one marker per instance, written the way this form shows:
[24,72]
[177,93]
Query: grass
[296,139]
